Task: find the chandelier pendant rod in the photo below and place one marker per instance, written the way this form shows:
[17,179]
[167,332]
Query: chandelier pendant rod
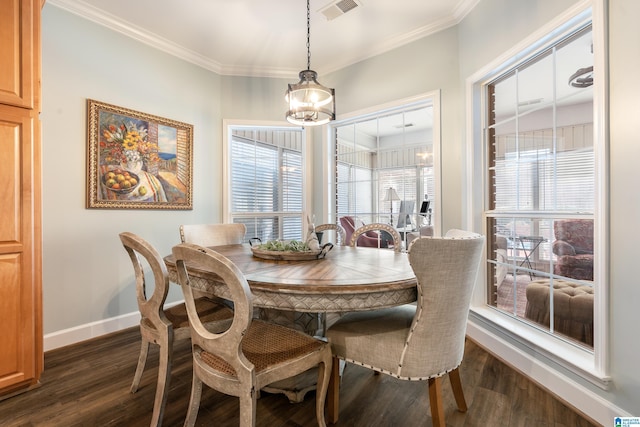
[308,35]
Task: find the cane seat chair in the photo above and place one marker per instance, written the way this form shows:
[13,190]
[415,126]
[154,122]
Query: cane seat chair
[374,236]
[251,353]
[417,342]
[341,236]
[213,234]
[160,325]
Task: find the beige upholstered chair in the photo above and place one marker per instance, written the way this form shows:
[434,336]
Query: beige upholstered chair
[423,231]
[213,234]
[251,353]
[417,342]
[159,325]
[340,233]
[374,233]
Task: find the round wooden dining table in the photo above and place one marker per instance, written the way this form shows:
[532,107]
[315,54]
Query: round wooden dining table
[347,279]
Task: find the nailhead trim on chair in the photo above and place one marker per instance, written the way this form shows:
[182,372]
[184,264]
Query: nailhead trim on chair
[397,241]
[384,371]
[341,234]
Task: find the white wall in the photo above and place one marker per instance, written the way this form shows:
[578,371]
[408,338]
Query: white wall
[88,282]
[624,201]
[87,278]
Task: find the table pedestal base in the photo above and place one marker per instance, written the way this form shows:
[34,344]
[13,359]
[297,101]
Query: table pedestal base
[295,388]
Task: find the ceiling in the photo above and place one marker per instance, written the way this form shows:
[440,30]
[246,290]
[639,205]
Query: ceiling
[268,37]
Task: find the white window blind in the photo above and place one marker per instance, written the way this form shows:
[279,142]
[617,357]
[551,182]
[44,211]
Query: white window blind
[541,181]
[343,193]
[355,191]
[403,180]
[266,180]
[570,185]
[253,177]
[411,183]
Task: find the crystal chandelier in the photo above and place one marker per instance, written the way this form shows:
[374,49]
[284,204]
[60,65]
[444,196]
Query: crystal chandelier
[310,103]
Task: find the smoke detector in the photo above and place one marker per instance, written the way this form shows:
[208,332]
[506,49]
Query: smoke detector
[338,8]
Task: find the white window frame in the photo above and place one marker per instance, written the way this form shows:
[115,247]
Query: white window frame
[488,325]
[227,126]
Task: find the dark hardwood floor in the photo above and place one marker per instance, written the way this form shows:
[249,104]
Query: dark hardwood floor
[87,384]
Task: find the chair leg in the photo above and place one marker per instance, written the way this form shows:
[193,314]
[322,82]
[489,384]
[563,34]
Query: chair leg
[333,397]
[435,399]
[194,401]
[324,376]
[458,393]
[248,404]
[164,379]
[142,360]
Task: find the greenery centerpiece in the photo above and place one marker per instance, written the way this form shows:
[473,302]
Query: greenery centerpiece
[292,250]
[285,246]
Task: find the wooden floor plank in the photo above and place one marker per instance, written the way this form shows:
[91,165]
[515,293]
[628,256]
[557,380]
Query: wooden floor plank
[489,408]
[87,384]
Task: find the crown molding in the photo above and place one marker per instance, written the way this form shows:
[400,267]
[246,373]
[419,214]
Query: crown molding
[393,43]
[463,8]
[128,29]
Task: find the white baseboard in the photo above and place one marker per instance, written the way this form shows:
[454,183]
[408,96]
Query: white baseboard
[94,329]
[90,330]
[570,392]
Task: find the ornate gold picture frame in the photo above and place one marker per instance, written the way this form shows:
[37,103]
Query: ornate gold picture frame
[136,160]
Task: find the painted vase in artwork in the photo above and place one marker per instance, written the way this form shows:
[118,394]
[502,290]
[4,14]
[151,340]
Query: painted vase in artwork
[133,162]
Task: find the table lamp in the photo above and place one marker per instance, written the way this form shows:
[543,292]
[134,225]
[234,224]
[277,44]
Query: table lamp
[391,196]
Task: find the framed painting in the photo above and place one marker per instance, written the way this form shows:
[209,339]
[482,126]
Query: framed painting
[136,160]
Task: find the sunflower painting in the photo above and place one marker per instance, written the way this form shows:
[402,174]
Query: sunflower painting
[136,160]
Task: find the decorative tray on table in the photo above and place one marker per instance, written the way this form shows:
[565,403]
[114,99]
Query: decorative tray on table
[291,250]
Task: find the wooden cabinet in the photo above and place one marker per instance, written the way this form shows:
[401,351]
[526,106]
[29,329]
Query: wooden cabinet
[19,50]
[21,353]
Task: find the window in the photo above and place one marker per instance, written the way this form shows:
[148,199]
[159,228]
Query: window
[537,173]
[541,186]
[392,148]
[266,181]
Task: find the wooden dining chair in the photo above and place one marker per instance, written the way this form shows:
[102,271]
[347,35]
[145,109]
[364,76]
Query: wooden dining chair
[160,325]
[340,233]
[213,234]
[372,235]
[417,342]
[251,353]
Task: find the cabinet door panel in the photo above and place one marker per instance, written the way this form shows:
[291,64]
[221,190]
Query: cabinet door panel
[16,355]
[19,289]
[10,130]
[18,51]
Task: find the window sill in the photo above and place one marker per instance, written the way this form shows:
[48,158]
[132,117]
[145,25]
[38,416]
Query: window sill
[488,324]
